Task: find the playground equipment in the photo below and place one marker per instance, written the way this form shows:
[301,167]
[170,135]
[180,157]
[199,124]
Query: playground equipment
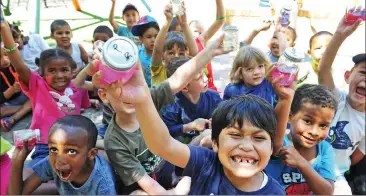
[37,5]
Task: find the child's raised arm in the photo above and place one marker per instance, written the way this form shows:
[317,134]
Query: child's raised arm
[90,69]
[191,43]
[156,134]
[111,16]
[160,39]
[184,74]
[14,55]
[283,107]
[325,65]
[220,20]
[264,26]
[16,185]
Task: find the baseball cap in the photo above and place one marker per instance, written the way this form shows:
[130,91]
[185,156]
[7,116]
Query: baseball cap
[136,29]
[359,58]
[129,7]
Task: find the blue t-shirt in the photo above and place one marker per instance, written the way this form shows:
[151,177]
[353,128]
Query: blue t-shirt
[145,62]
[272,58]
[124,31]
[100,182]
[208,177]
[292,180]
[183,111]
[263,90]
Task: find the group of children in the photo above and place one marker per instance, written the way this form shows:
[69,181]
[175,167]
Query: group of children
[168,122]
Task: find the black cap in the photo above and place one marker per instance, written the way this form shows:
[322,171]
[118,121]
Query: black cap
[359,58]
[129,7]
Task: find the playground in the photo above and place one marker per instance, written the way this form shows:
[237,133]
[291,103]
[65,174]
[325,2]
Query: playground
[95,12]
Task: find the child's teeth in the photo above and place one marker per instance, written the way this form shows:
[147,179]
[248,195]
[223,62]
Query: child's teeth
[237,159]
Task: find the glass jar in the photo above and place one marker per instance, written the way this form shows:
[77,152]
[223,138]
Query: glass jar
[177,7]
[231,40]
[33,136]
[118,59]
[285,15]
[288,66]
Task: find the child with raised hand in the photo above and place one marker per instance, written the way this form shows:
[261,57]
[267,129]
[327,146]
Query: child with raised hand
[73,162]
[248,76]
[347,132]
[30,47]
[52,92]
[147,30]
[243,131]
[14,105]
[306,164]
[308,73]
[61,32]
[130,15]
[202,36]
[193,107]
[168,46]
[135,165]
[282,38]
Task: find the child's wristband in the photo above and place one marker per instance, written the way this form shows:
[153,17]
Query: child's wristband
[14,48]
[220,17]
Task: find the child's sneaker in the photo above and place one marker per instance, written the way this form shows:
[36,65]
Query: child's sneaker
[7,123]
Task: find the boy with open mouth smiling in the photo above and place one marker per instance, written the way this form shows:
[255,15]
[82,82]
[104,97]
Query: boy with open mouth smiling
[243,134]
[347,133]
[72,162]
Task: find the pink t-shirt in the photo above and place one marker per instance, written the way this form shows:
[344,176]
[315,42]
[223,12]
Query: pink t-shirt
[49,104]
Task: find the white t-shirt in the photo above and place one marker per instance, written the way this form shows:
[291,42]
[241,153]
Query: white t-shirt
[346,134]
[76,55]
[32,50]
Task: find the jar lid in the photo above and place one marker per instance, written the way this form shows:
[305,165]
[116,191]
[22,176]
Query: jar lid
[231,27]
[120,53]
[293,55]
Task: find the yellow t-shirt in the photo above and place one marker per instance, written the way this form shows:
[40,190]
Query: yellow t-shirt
[158,74]
[5,146]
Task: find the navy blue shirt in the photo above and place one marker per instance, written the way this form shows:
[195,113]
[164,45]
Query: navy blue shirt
[263,90]
[208,177]
[183,111]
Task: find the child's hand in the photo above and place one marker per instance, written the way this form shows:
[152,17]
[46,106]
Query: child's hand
[183,187]
[21,153]
[291,157]
[215,47]
[95,103]
[206,142]
[16,87]
[279,27]
[284,93]
[182,19]
[168,12]
[264,26]
[199,124]
[345,30]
